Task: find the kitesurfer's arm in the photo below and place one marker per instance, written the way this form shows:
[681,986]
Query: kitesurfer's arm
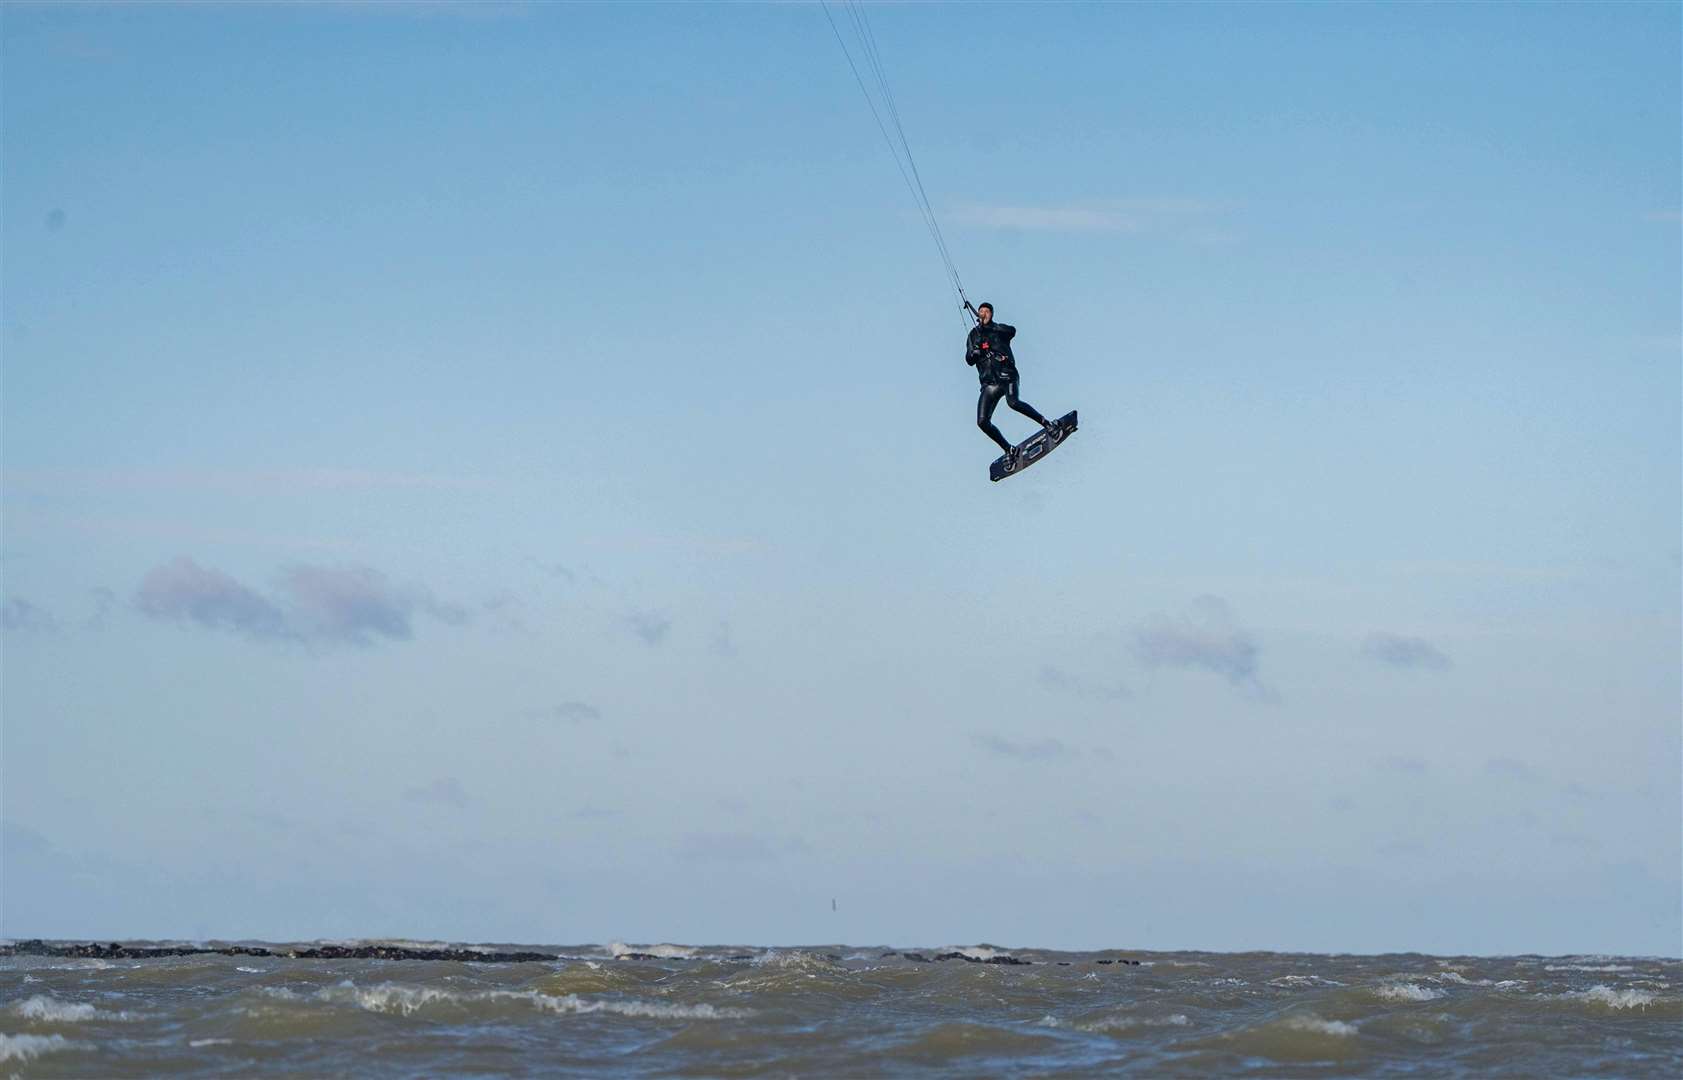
[1004,331]
[972,352]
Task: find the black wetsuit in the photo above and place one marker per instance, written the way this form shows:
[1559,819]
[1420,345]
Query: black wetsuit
[988,349]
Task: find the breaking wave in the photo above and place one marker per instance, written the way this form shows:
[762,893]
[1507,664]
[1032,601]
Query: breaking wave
[1402,991]
[30,1047]
[43,1009]
[1318,1026]
[407,1000]
[1601,994]
[617,949]
[1105,1025]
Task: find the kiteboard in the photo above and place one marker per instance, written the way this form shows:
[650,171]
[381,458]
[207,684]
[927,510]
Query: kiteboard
[1033,448]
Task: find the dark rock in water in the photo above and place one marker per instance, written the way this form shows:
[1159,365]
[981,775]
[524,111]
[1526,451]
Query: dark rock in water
[741,957]
[636,956]
[1000,959]
[1119,960]
[1105,961]
[917,956]
[115,951]
[393,952]
[1063,963]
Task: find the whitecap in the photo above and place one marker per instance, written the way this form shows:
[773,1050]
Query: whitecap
[659,1010]
[408,1000]
[1319,1026]
[387,997]
[1461,980]
[30,1047]
[1601,994]
[50,1010]
[617,949]
[1588,967]
[1406,992]
[196,1043]
[791,958]
[1303,980]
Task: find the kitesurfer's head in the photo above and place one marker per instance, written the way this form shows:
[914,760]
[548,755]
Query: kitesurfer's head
[984,313]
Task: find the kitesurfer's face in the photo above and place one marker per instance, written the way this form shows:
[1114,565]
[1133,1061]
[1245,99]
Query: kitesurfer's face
[984,314]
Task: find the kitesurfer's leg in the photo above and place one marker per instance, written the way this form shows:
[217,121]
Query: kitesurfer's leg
[1018,405]
[985,405]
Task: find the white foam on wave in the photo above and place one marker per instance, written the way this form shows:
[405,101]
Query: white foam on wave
[196,1043]
[250,971]
[1461,980]
[660,1010]
[979,952]
[791,958]
[1303,980]
[1601,994]
[1307,1022]
[388,997]
[30,1047]
[1402,991]
[45,1009]
[617,949]
[408,1000]
[1588,967]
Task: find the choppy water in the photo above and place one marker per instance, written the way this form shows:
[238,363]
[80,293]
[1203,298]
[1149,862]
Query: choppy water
[844,1011]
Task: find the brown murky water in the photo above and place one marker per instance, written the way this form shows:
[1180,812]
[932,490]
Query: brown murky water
[843,1011]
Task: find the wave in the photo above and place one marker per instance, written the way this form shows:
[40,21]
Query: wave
[1601,994]
[407,1000]
[1303,980]
[617,949]
[1588,967]
[1461,980]
[659,1010]
[45,1009]
[1314,1024]
[30,1047]
[196,1043]
[1403,991]
[958,1039]
[796,959]
[1116,1023]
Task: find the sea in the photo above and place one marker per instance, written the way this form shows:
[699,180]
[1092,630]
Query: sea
[426,1009]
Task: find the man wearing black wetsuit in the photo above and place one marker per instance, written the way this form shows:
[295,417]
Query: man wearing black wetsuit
[988,350]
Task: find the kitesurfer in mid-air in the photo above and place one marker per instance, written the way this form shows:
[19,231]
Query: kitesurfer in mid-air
[988,350]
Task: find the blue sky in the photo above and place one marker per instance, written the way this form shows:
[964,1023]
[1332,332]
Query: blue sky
[509,474]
